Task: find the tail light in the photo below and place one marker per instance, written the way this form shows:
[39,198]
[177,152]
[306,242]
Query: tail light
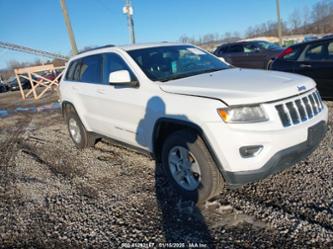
[285,52]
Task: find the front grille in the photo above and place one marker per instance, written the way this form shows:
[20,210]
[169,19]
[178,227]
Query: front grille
[300,110]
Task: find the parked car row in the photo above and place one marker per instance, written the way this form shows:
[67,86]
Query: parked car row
[249,54]
[313,58]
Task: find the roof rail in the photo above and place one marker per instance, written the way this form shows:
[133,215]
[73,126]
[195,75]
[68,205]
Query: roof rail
[92,49]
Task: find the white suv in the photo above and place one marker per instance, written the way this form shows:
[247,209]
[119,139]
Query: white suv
[209,124]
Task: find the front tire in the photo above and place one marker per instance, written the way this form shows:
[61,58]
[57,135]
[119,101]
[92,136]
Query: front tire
[190,167]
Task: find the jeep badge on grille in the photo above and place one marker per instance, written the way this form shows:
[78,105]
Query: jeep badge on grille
[301,88]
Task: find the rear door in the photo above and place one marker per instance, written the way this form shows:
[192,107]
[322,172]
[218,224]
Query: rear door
[88,77]
[316,61]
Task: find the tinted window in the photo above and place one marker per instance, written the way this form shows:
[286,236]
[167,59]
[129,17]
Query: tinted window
[76,74]
[114,62]
[251,48]
[222,50]
[236,49]
[330,51]
[91,69]
[71,69]
[315,52]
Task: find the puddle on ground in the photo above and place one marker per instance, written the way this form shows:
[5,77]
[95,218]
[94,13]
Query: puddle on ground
[53,106]
[3,113]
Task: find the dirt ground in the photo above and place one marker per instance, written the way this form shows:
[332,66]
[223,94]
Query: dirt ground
[53,195]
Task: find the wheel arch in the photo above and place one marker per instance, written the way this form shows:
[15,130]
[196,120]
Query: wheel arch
[67,105]
[165,126]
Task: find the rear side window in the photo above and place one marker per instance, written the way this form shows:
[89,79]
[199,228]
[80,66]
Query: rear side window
[222,50]
[315,52]
[236,49]
[91,69]
[71,69]
[330,51]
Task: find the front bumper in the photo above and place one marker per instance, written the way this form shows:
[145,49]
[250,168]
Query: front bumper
[281,160]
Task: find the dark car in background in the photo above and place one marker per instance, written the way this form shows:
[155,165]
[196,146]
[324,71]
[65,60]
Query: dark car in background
[14,86]
[3,88]
[313,59]
[249,54]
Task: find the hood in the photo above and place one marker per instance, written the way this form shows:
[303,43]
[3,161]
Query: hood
[241,86]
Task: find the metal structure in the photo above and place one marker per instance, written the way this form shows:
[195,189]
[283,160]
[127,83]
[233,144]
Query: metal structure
[39,83]
[69,27]
[19,48]
[128,10]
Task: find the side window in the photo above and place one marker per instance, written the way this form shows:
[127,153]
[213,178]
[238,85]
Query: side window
[70,71]
[236,49]
[90,69]
[330,51]
[76,74]
[223,50]
[251,48]
[315,52]
[112,63]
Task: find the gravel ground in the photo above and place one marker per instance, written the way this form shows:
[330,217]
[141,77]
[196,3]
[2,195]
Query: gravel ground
[55,196]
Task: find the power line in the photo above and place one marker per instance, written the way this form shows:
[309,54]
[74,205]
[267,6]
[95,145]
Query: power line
[19,48]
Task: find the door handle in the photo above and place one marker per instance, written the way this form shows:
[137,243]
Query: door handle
[305,66]
[100,91]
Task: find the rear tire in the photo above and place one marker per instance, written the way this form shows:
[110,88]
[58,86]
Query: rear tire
[202,167]
[80,136]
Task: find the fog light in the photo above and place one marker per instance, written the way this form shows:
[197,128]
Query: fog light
[250,151]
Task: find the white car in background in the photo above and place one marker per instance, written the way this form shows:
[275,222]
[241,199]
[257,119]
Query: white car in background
[209,124]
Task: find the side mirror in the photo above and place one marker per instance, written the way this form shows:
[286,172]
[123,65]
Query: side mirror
[121,78]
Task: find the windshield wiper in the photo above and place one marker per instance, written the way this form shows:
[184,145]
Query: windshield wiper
[191,74]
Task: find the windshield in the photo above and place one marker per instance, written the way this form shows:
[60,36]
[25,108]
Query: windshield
[174,62]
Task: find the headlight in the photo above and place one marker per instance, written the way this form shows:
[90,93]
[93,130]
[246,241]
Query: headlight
[243,114]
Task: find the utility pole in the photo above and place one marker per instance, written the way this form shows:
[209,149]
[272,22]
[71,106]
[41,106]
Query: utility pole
[279,25]
[128,10]
[69,27]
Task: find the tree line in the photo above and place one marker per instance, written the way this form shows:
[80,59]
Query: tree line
[315,20]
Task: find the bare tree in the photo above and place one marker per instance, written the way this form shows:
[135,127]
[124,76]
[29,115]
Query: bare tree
[295,21]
